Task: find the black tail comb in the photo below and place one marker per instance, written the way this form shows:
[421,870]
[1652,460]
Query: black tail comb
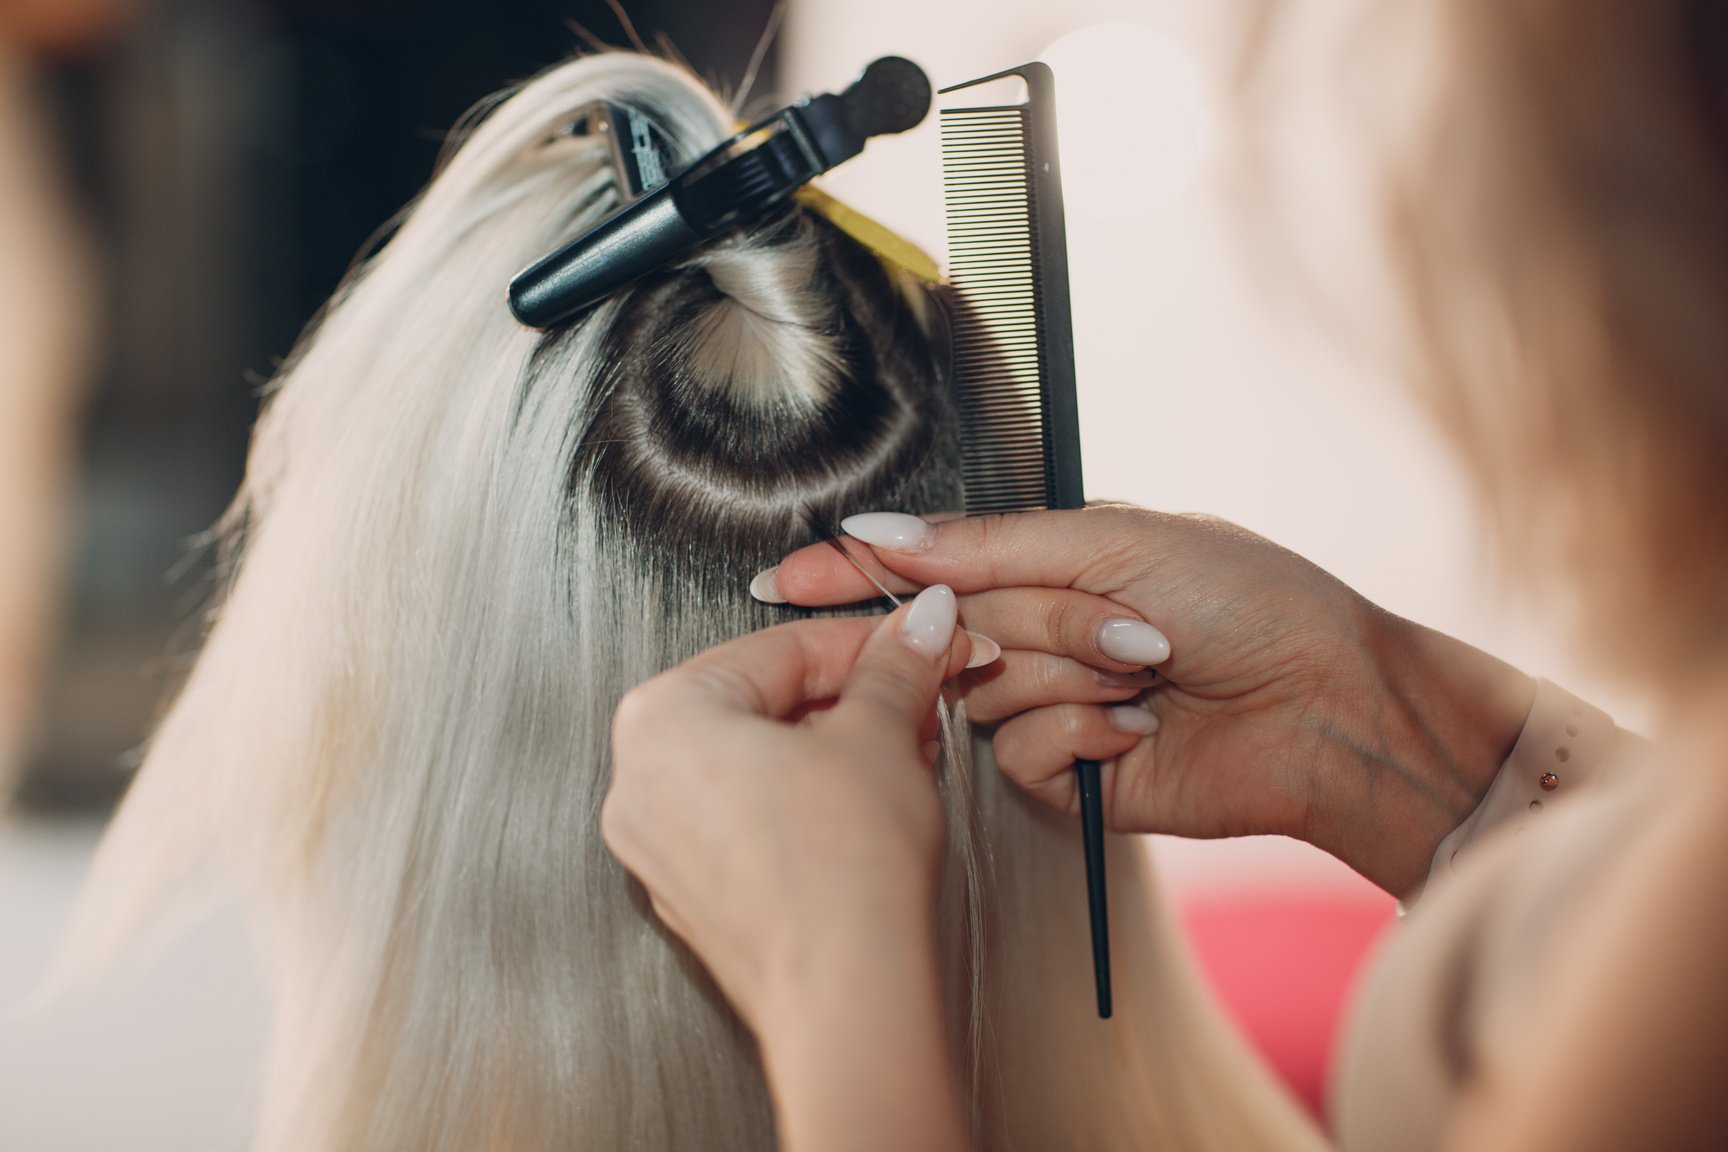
[1014,351]
[1013,336]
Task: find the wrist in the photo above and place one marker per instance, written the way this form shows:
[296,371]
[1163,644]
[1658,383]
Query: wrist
[855,1045]
[1435,722]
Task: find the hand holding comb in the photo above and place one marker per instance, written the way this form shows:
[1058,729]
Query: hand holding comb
[1014,351]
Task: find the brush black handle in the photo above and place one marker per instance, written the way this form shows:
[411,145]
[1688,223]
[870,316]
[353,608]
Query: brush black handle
[1092,832]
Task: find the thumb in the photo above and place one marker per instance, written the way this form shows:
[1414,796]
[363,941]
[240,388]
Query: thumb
[899,673]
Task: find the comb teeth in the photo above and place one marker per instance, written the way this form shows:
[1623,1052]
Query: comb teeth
[1013,356]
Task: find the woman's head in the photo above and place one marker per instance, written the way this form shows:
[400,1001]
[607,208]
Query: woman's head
[458,543]
[1565,238]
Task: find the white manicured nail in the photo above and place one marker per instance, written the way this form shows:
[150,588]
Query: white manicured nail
[1133,642]
[1132,718]
[929,623]
[892,530]
[984,650]
[762,587]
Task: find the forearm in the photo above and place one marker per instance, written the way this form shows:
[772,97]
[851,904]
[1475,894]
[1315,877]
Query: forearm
[1429,733]
[857,1051]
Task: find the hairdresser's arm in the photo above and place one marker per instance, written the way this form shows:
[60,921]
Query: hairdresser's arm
[774,798]
[1283,701]
[1622,1042]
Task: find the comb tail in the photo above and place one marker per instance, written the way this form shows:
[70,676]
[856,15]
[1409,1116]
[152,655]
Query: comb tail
[1097,895]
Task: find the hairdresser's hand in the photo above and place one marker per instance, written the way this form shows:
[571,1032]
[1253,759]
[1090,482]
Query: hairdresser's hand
[776,799]
[1283,702]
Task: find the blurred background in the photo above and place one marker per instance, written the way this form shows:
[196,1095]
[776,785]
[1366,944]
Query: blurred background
[183,183]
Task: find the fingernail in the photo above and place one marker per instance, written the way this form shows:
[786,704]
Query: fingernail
[1132,718]
[1133,642]
[1126,679]
[893,530]
[984,650]
[929,623]
[762,587]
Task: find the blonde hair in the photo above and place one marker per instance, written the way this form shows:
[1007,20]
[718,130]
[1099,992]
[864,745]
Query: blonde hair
[1564,240]
[458,543]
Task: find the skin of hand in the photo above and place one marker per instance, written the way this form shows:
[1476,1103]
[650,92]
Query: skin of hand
[775,798]
[1286,704]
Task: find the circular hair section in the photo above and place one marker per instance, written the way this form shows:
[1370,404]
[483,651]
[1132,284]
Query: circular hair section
[768,382]
[763,337]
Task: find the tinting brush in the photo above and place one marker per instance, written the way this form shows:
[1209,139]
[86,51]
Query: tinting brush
[1014,351]
[736,184]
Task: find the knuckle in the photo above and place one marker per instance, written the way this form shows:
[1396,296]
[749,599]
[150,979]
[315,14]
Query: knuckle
[986,705]
[1010,755]
[634,709]
[1072,724]
[1058,617]
[1022,747]
[1216,527]
[994,692]
[1112,518]
[989,533]
[1049,677]
[889,690]
[1124,552]
[615,824]
[984,529]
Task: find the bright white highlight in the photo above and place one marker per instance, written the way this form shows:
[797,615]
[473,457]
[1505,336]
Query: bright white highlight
[1134,118]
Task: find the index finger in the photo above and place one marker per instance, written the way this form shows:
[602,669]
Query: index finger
[1087,549]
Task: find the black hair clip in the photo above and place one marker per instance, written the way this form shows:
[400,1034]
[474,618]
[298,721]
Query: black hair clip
[640,151]
[737,183]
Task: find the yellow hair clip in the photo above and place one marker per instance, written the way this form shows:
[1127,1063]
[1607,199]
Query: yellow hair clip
[887,244]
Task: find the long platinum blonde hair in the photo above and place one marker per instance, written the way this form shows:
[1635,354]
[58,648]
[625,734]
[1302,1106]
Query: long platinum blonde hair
[459,541]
